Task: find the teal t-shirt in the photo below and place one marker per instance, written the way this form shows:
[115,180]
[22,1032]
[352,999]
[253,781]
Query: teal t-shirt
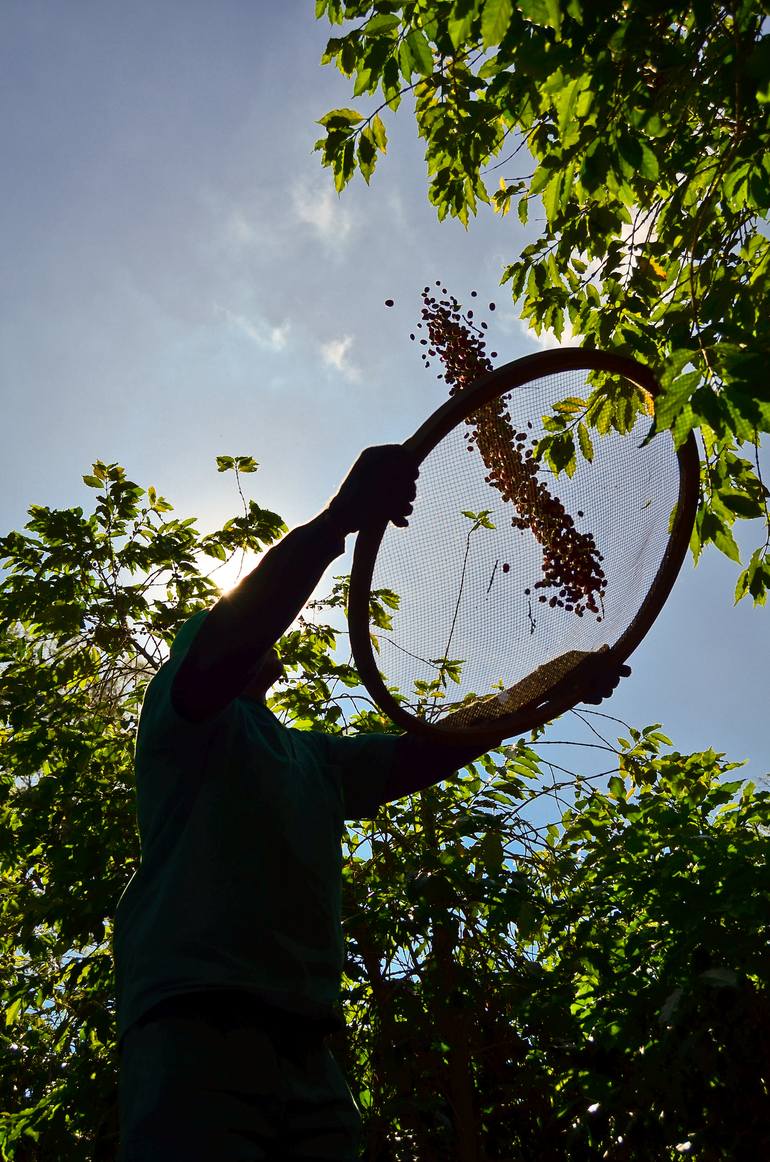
[240,880]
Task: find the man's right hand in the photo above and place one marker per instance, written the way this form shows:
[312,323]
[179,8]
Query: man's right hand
[380,486]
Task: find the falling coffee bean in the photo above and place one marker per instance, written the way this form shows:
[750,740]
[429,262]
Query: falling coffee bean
[571,564]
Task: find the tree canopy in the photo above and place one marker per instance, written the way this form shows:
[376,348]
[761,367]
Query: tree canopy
[634,140]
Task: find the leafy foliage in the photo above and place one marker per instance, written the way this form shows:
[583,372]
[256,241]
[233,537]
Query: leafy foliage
[513,988]
[88,607]
[643,132]
[594,989]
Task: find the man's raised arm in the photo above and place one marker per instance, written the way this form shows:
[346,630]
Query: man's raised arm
[242,627]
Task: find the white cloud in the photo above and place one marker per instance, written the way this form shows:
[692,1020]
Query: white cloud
[323,211]
[240,222]
[399,215]
[242,230]
[270,338]
[547,339]
[335,354]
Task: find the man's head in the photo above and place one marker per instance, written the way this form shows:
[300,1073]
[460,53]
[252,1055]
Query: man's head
[270,671]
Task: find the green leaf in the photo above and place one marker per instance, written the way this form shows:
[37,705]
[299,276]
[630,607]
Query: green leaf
[559,453]
[388,597]
[565,101]
[711,528]
[214,548]
[541,177]
[495,20]
[449,668]
[546,13]
[246,464]
[378,133]
[491,852]
[586,444]
[364,82]
[348,56]
[755,579]
[92,481]
[224,463]
[480,519]
[344,165]
[648,166]
[570,405]
[384,24]
[420,52]
[617,787]
[337,118]
[367,153]
[674,397]
[740,503]
[552,195]
[459,28]
[12,1011]
[405,61]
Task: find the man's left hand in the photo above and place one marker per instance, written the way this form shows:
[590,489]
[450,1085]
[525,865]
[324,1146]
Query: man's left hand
[604,682]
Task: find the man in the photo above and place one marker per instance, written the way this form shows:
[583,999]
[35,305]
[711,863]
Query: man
[228,942]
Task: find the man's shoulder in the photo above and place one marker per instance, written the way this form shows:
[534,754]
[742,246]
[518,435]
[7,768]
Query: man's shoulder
[160,718]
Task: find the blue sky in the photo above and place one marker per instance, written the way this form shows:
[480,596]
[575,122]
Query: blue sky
[182,281]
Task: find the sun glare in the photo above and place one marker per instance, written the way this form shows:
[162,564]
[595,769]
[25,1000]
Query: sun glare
[231,572]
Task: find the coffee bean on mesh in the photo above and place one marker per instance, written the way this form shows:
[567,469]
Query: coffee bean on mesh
[571,564]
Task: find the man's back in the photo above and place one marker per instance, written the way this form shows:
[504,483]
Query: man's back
[239,885]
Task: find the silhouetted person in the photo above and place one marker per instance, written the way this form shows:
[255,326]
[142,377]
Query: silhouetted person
[228,940]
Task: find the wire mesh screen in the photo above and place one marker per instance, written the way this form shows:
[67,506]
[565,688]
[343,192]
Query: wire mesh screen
[510,575]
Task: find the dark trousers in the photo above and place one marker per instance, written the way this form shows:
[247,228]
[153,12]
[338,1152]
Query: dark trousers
[206,1078]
